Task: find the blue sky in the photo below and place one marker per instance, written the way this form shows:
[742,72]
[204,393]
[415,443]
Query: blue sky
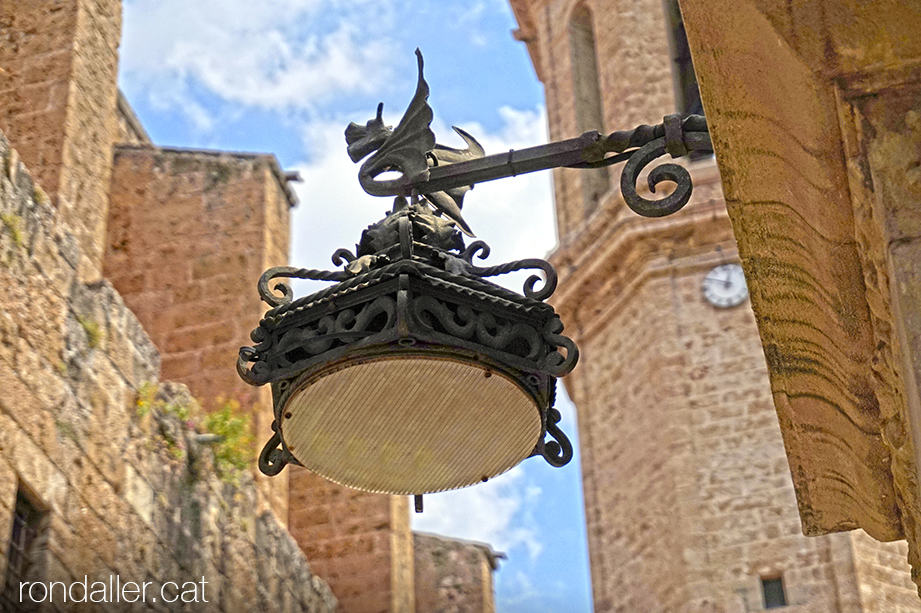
[286,78]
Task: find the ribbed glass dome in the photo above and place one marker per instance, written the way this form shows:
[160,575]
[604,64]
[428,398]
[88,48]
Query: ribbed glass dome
[410,425]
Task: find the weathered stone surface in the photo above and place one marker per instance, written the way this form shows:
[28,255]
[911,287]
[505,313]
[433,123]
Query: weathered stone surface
[59,64]
[688,491]
[189,234]
[812,108]
[126,494]
[452,576]
[355,540]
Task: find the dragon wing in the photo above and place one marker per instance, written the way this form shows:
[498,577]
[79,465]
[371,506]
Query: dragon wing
[442,155]
[450,202]
[407,147]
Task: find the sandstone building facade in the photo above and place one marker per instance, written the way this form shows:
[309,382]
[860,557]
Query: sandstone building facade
[129,277]
[688,493]
[88,485]
[820,148]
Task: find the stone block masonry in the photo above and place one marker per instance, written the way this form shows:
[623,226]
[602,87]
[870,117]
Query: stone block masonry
[58,66]
[189,234]
[689,499]
[360,543]
[453,575]
[124,494]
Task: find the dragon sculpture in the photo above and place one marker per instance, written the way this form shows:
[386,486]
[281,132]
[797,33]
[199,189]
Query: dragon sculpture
[411,150]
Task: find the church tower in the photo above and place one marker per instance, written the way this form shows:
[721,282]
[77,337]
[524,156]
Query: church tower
[688,495]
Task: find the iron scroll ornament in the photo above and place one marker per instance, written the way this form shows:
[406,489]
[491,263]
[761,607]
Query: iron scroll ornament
[451,303]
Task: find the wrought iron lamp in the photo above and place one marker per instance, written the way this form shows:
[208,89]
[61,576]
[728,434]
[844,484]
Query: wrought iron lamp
[413,373]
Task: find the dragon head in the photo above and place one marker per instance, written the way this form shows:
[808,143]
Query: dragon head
[362,140]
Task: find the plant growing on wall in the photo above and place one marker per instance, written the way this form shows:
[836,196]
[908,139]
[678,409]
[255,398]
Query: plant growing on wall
[234,452]
[229,427]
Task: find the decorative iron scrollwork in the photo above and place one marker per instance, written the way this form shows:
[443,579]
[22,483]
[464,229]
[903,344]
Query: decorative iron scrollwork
[681,138]
[342,257]
[557,452]
[290,272]
[443,175]
[274,457]
[463,322]
[665,172]
[556,363]
[550,278]
[245,359]
[677,136]
[280,354]
[412,288]
[480,250]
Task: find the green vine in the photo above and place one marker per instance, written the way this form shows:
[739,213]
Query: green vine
[146,398]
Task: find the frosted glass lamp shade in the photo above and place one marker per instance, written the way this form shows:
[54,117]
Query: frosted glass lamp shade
[409,424]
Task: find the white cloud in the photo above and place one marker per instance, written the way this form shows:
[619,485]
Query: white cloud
[164,99]
[521,594]
[270,55]
[333,209]
[468,17]
[515,216]
[495,512]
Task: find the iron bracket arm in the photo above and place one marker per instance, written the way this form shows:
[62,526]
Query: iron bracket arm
[675,135]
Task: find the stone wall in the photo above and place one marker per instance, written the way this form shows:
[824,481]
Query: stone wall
[819,147]
[453,576]
[688,492]
[878,569]
[189,234]
[130,130]
[59,63]
[125,494]
[359,542]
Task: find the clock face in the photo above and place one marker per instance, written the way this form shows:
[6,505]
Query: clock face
[724,286]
